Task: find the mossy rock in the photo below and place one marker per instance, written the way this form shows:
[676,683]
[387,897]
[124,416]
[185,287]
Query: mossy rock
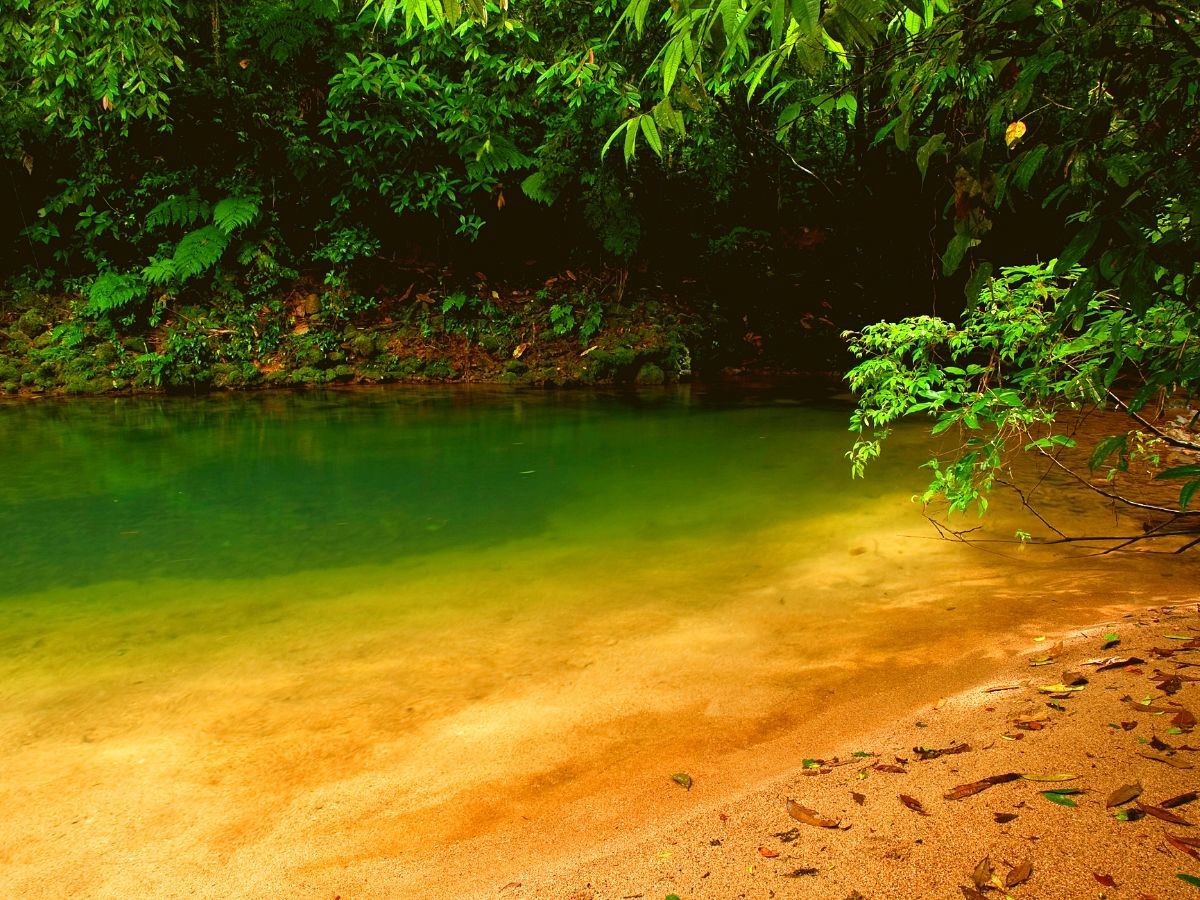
[614,365]
[235,375]
[515,367]
[649,373]
[510,378]
[79,367]
[363,345]
[342,373]
[10,387]
[80,385]
[106,353]
[9,371]
[439,369]
[31,323]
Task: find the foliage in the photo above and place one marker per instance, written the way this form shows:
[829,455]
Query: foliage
[1004,377]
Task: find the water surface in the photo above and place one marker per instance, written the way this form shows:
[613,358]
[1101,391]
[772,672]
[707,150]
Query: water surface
[278,640]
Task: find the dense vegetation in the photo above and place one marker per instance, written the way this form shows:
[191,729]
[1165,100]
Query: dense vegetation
[217,193]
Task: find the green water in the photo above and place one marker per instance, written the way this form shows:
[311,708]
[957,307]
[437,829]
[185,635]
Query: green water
[284,636]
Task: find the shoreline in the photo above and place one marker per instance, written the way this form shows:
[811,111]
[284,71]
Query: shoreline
[748,845]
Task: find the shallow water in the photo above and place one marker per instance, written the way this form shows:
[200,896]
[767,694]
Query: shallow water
[278,636]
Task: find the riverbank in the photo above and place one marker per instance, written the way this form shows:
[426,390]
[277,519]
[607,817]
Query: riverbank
[1098,721]
[569,329]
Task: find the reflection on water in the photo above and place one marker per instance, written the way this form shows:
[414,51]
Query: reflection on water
[288,634]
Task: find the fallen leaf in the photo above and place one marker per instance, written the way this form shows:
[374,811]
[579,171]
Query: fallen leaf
[1114,662]
[1018,873]
[1030,725]
[1110,640]
[519,350]
[933,753]
[1189,879]
[1170,685]
[1059,797]
[1059,688]
[860,799]
[888,767]
[1182,846]
[967,790]
[1123,795]
[1162,758]
[683,779]
[1071,679]
[808,816]
[1003,687]
[1190,841]
[1159,813]
[1179,800]
[983,874]
[1004,818]
[798,873]
[971,893]
[1106,880]
[768,852]
[913,803]
[1050,776]
[1184,719]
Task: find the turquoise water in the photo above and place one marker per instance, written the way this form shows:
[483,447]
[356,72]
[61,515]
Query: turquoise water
[277,636]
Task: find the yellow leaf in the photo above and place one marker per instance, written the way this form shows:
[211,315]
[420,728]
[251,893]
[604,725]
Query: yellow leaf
[1014,133]
[520,350]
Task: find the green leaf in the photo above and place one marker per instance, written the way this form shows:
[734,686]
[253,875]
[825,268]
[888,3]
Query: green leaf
[1080,245]
[927,150]
[672,56]
[1106,448]
[1189,879]
[650,130]
[683,779]
[955,251]
[976,282]
[233,213]
[807,14]
[1187,492]
[1059,797]
[631,133]
[1179,472]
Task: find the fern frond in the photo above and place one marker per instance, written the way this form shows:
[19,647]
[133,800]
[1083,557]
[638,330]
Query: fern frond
[234,212]
[160,270]
[178,209]
[112,290]
[199,250]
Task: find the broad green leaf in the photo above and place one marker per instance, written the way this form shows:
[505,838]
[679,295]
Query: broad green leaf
[1179,472]
[650,130]
[1079,246]
[1106,448]
[1059,797]
[1187,492]
[955,251]
[927,150]
[672,56]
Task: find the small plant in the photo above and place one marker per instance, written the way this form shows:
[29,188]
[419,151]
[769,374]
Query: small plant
[562,319]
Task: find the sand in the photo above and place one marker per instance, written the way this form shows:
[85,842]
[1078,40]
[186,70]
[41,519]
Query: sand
[747,844]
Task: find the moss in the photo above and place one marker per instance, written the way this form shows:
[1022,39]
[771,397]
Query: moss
[650,374]
[235,375]
[510,378]
[80,385]
[107,353]
[9,371]
[10,387]
[31,323]
[362,345]
[439,369]
[515,367]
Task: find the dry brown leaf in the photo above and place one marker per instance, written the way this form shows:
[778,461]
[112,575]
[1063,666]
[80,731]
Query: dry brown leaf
[1123,795]
[1003,818]
[913,803]
[1189,841]
[1182,846]
[934,753]
[808,816]
[1159,813]
[860,799]
[1018,873]
[1106,880]
[1184,719]
[1162,758]
[1179,800]
[983,874]
[971,893]
[967,790]
[768,852]
[1114,662]
[888,767]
